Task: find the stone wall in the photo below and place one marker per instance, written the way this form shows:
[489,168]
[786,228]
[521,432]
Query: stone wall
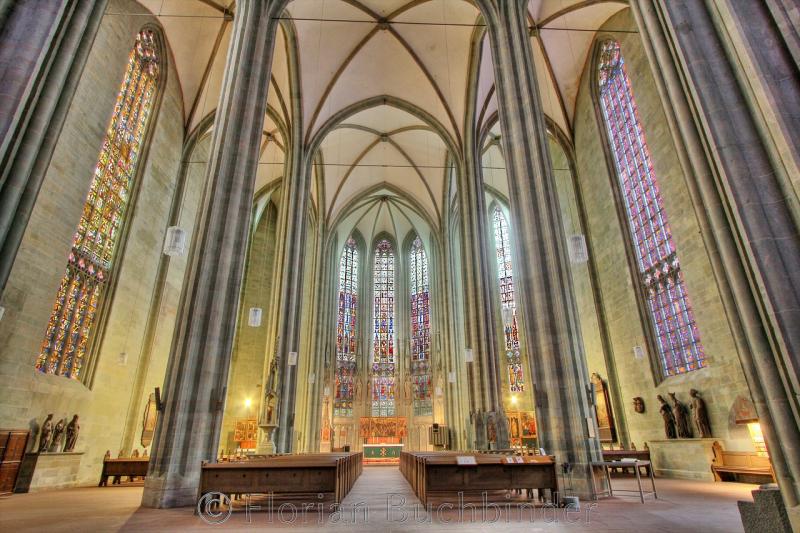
[722,381]
[101,403]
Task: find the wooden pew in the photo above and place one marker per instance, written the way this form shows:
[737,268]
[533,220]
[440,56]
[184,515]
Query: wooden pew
[438,473]
[741,466]
[132,467]
[308,474]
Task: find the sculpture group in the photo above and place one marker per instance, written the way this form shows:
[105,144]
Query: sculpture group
[676,416]
[59,438]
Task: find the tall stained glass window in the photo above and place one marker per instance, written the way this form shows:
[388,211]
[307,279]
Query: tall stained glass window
[420,329]
[383,341]
[346,330]
[505,273]
[94,244]
[677,338]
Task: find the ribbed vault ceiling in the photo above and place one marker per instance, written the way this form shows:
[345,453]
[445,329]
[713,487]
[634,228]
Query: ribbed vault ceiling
[417,51]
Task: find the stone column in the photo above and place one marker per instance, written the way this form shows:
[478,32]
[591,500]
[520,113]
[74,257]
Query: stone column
[567,426]
[38,83]
[747,215]
[195,385]
[480,318]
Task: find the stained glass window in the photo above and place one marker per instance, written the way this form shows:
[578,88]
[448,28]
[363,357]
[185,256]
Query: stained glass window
[91,258]
[346,330]
[420,329]
[505,273]
[383,341]
[677,337]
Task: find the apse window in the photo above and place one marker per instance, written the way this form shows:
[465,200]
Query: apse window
[383,339]
[346,330]
[94,245]
[676,334]
[420,329]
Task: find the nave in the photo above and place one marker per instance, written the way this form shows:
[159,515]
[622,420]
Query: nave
[682,505]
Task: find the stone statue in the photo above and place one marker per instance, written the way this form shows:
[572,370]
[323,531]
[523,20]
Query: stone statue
[638,404]
[270,408]
[407,396]
[669,420]
[72,434]
[700,415]
[359,388]
[58,434]
[135,452]
[44,436]
[680,413]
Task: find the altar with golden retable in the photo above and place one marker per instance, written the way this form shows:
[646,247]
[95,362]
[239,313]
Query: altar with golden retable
[382,438]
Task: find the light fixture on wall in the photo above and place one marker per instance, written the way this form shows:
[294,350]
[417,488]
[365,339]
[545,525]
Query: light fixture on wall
[638,352]
[175,241]
[254,318]
[326,391]
[292,361]
[312,378]
[468,356]
[2,312]
[451,377]
[578,254]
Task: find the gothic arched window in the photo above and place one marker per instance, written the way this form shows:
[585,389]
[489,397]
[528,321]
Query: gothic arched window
[420,329]
[94,244]
[346,330]
[505,274]
[677,338]
[383,342]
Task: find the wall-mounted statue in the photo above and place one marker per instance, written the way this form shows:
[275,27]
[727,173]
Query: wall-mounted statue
[46,433]
[681,414]
[58,434]
[669,420]
[638,404]
[407,394]
[72,434]
[700,415]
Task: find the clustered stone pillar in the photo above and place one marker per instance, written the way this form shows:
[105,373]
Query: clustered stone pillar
[195,387]
[746,204]
[37,92]
[480,325]
[565,416]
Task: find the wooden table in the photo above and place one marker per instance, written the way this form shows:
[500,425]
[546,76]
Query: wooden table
[616,455]
[635,464]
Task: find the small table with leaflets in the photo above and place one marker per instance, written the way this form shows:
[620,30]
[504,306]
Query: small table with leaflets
[624,463]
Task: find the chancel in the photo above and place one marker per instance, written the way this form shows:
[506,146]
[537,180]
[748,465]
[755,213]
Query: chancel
[266,263]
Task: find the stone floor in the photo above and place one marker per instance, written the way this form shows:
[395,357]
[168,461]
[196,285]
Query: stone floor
[390,506]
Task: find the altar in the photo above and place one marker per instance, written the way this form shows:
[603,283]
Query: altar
[382,438]
[382,453]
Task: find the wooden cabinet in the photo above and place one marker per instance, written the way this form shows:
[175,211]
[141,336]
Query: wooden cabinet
[12,449]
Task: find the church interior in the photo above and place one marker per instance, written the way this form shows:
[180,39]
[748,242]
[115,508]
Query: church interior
[365,264]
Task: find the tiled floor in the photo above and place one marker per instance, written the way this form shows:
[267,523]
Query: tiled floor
[384,503]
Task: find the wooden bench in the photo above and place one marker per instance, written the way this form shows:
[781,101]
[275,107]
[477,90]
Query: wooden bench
[130,467]
[332,474]
[438,473]
[748,467]
[616,455]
